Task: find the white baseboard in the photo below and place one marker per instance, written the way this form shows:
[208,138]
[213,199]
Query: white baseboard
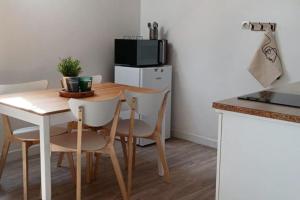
[195,138]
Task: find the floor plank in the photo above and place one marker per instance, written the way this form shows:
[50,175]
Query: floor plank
[192,169]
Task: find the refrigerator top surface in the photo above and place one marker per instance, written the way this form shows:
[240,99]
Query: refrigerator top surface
[131,66]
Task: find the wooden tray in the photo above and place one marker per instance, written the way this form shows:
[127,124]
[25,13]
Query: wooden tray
[76,95]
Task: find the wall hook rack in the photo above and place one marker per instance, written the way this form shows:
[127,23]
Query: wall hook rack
[258,26]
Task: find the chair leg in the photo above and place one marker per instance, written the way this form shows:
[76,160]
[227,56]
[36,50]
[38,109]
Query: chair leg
[96,165]
[134,153]
[125,153]
[78,176]
[60,159]
[72,166]
[118,173]
[25,147]
[89,163]
[162,156]
[91,168]
[130,163]
[4,153]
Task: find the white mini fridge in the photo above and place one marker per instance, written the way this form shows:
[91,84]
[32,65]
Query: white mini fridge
[159,77]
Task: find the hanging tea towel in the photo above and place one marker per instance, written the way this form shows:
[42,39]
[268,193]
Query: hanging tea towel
[266,65]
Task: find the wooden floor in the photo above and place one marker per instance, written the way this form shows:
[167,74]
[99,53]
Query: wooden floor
[192,168]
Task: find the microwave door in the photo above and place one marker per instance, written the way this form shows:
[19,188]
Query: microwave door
[147,53]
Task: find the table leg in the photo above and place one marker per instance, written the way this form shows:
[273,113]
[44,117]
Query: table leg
[45,158]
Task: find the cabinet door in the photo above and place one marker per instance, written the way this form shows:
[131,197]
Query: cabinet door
[156,77]
[258,158]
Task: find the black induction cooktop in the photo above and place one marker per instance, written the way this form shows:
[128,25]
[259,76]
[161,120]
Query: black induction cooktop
[291,100]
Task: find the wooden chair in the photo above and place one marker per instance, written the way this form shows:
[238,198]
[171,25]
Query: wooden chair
[89,156]
[145,104]
[92,114]
[27,136]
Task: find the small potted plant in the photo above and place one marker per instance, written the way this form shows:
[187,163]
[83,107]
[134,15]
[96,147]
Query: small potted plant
[70,69]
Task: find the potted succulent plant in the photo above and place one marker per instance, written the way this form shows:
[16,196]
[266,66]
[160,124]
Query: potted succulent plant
[70,69]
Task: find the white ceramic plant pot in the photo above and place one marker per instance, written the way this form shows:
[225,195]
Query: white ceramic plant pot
[64,83]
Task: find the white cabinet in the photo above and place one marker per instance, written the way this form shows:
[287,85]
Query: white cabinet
[150,77]
[258,158]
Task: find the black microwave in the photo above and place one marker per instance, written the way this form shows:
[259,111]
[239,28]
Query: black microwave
[140,53]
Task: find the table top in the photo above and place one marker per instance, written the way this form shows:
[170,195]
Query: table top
[272,111]
[47,102]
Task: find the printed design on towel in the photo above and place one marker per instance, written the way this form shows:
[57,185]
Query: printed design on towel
[270,52]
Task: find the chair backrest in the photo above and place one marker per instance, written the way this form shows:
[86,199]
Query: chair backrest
[148,104]
[23,87]
[95,113]
[97,79]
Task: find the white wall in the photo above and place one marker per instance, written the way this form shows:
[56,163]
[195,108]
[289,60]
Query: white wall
[35,34]
[210,53]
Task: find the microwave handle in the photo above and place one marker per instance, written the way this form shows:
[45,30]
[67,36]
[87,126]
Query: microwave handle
[163,51]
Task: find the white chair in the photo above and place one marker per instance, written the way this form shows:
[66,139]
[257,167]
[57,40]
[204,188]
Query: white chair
[145,104]
[92,114]
[97,79]
[27,136]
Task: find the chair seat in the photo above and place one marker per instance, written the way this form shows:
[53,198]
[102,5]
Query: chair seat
[32,133]
[91,141]
[141,128]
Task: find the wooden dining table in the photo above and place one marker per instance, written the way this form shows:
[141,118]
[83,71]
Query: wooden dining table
[46,108]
